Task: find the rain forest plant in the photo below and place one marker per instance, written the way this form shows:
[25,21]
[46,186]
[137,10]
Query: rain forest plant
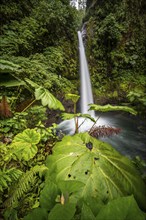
[47,99]
[68,116]
[8,177]
[107,108]
[14,125]
[27,182]
[40,93]
[74,98]
[66,192]
[103,131]
[19,153]
[7,66]
[94,190]
[84,178]
[22,120]
[5,111]
[47,133]
[138,99]
[33,118]
[24,145]
[96,130]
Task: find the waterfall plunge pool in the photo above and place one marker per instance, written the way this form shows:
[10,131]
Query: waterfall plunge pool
[131,141]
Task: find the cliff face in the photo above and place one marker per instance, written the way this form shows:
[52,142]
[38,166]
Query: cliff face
[116,41]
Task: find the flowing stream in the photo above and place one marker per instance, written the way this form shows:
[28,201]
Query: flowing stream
[131,141]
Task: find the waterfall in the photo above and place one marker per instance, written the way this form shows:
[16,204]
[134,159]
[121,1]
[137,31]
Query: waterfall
[68,126]
[86,89]
[122,142]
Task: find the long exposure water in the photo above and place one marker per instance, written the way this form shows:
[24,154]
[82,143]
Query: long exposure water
[86,88]
[131,141]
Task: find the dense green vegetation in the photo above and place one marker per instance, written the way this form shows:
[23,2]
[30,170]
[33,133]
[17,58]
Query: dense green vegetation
[116,37]
[40,37]
[45,174]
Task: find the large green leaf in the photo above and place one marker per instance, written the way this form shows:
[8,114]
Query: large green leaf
[124,208]
[70,189]
[70,186]
[45,96]
[24,144]
[68,116]
[62,212]
[10,82]
[72,97]
[48,99]
[107,108]
[105,172]
[86,213]
[48,195]
[37,214]
[31,83]
[7,74]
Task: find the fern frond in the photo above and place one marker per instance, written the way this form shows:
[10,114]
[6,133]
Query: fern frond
[14,174]
[7,66]
[7,177]
[25,184]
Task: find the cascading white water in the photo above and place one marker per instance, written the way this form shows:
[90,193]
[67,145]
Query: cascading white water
[86,88]
[130,135]
[68,126]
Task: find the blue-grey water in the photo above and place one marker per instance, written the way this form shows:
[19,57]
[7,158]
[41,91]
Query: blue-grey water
[131,141]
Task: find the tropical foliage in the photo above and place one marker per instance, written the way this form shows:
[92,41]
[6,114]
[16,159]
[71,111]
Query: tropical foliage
[95,189]
[115,33]
[45,174]
[108,108]
[31,47]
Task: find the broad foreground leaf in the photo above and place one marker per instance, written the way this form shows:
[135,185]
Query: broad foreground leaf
[124,208]
[48,99]
[86,213]
[37,214]
[61,212]
[106,174]
[48,195]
